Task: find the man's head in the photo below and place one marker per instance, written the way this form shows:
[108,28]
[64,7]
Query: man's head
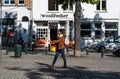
[60,31]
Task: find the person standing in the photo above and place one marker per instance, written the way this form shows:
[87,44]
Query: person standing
[60,42]
[25,39]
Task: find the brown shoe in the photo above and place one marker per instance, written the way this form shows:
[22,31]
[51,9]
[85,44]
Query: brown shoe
[51,66]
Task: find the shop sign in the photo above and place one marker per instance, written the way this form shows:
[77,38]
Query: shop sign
[53,15]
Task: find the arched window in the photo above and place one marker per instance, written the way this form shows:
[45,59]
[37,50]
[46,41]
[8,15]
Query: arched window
[25,18]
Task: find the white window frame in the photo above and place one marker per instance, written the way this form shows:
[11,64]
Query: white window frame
[42,36]
[101,4]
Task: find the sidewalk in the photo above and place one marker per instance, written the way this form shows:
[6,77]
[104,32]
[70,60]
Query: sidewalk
[35,66]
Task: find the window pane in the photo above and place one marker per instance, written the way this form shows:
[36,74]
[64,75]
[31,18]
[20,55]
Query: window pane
[103,5]
[6,1]
[12,1]
[98,25]
[52,5]
[85,33]
[111,25]
[85,26]
[97,34]
[98,5]
[21,1]
[110,33]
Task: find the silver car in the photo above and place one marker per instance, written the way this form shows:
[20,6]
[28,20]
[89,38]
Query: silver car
[108,44]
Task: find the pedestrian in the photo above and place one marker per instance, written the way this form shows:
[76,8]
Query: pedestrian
[60,43]
[25,38]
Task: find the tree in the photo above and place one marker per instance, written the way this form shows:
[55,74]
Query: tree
[77,19]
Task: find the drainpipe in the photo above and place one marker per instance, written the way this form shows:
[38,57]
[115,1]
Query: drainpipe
[0,29]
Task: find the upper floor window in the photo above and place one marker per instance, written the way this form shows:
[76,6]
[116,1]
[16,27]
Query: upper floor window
[21,1]
[9,1]
[0,2]
[70,6]
[52,6]
[101,6]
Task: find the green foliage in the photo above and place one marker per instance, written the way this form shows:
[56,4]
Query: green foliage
[90,1]
[65,3]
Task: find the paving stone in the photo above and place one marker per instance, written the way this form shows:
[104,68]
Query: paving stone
[35,66]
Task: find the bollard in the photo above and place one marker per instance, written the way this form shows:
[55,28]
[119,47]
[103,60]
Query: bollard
[102,52]
[87,51]
[18,50]
[46,50]
[67,49]
[7,49]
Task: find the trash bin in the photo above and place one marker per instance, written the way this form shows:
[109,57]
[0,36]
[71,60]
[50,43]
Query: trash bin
[18,50]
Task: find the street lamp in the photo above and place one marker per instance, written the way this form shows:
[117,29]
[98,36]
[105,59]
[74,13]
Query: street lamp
[31,21]
[0,29]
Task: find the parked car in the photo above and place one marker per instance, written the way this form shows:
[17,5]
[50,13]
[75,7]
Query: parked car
[108,44]
[117,50]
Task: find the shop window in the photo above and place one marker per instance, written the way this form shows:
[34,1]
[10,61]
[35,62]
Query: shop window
[42,33]
[52,6]
[111,25]
[98,34]
[7,24]
[101,6]
[110,33]
[85,26]
[85,33]
[98,25]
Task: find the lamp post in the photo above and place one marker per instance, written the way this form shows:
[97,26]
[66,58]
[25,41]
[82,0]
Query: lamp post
[0,29]
[31,21]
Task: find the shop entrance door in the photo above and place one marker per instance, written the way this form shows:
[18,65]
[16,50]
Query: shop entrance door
[53,35]
[53,31]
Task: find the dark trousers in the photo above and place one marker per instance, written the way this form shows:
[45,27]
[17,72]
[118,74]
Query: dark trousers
[61,51]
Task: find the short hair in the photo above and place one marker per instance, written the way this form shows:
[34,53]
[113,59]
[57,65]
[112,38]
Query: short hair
[61,30]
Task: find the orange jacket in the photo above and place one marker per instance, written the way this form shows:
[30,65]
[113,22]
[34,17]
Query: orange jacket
[60,42]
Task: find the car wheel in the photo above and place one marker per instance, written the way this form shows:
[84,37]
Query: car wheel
[117,53]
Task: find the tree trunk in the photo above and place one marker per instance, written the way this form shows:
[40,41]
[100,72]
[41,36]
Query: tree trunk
[77,23]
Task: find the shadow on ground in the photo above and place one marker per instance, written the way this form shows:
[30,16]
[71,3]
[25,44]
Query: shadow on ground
[43,71]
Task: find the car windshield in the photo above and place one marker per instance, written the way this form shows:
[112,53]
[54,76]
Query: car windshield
[109,39]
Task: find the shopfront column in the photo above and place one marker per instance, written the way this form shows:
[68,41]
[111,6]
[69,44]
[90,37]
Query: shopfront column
[103,31]
[67,32]
[119,26]
[72,31]
[93,31]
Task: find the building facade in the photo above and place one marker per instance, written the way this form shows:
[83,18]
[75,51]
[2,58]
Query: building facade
[98,21]
[16,15]
[44,18]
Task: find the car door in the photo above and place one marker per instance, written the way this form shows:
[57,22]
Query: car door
[110,44]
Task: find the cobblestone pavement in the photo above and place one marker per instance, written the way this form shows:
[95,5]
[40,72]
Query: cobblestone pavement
[35,66]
